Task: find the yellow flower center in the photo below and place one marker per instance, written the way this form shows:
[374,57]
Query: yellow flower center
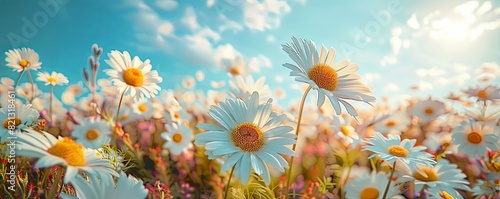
[445,195]
[324,76]
[51,80]
[8,122]
[397,151]
[482,94]
[345,130]
[493,166]
[234,71]
[143,108]
[68,150]
[92,134]
[369,193]
[390,123]
[431,175]
[24,63]
[429,111]
[177,138]
[133,77]
[247,137]
[475,137]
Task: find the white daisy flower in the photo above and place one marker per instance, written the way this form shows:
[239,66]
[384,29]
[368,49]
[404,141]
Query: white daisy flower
[65,152]
[126,187]
[14,122]
[244,87]
[392,149]
[178,137]
[143,109]
[395,123]
[92,133]
[22,59]
[485,188]
[428,110]
[189,82]
[53,78]
[250,136]
[371,187]
[234,67]
[472,138]
[345,131]
[484,94]
[132,76]
[337,82]
[442,177]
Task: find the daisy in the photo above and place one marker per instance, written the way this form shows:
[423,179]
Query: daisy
[178,137]
[132,76]
[64,151]
[53,78]
[428,110]
[22,59]
[189,82]
[370,187]
[126,187]
[345,131]
[472,138]
[143,109]
[234,67]
[250,136]
[395,123]
[14,122]
[444,177]
[337,82]
[484,94]
[392,149]
[485,188]
[244,87]
[92,133]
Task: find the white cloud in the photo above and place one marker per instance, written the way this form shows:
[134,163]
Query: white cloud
[388,60]
[189,19]
[370,77]
[270,38]
[210,3]
[228,24]
[264,15]
[255,63]
[431,72]
[167,5]
[166,29]
[413,22]
[391,88]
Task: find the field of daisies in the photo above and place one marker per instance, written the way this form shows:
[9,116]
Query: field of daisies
[125,137]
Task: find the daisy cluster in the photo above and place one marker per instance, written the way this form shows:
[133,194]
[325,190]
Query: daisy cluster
[125,137]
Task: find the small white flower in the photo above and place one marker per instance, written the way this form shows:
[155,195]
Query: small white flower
[178,138]
[22,59]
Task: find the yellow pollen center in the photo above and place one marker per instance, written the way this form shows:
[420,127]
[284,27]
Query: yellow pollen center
[143,108]
[133,77]
[92,134]
[482,94]
[345,130]
[247,137]
[390,123]
[397,151]
[234,71]
[11,122]
[51,80]
[475,137]
[431,175]
[24,63]
[429,111]
[369,193]
[68,150]
[177,138]
[324,76]
[177,116]
[445,195]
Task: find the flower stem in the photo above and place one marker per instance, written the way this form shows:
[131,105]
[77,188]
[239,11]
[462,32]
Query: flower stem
[117,116]
[288,178]
[390,180]
[55,185]
[229,182]
[18,79]
[50,101]
[32,88]
[422,193]
[342,196]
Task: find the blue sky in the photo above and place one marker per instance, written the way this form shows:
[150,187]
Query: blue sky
[435,46]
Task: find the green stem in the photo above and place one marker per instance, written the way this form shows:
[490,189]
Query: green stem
[342,196]
[50,101]
[116,118]
[390,180]
[55,185]
[288,178]
[32,87]
[229,183]
[18,79]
